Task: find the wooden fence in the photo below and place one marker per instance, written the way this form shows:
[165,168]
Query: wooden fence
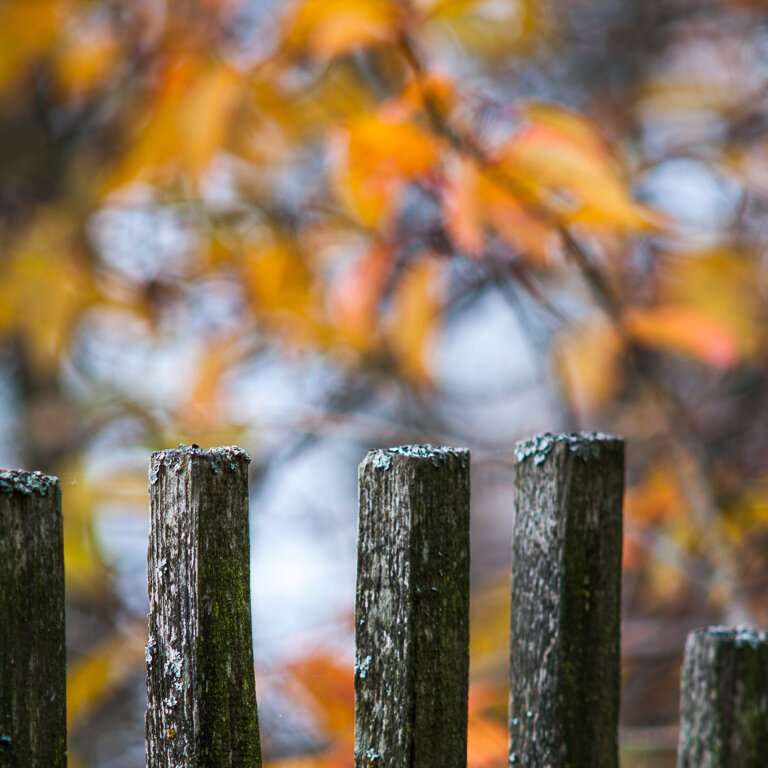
[412,618]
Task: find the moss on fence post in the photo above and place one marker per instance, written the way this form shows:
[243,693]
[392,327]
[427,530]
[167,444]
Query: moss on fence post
[412,614]
[201,699]
[33,728]
[566,593]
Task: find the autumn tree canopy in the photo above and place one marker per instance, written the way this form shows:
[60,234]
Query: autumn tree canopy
[192,190]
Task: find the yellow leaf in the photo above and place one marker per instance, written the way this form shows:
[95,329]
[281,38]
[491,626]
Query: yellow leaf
[282,292]
[558,160]
[205,402]
[587,358]
[378,155]
[490,29]
[657,499]
[95,676]
[416,311]
[721,285]
[462,211]
[685,330]
[205,116]
[356,295]
[183,125]
[27,30]
[517,225]
[44,289]
[84,567]
[85,58]
[328,28]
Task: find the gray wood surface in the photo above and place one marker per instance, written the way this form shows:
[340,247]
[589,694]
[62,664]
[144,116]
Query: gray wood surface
[566,592]
[412,612]
[724,699]
[201,709]
[33,729]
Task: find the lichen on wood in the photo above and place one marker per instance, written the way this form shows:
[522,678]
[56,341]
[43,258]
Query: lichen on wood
[566,589]
[724,699]
[412,610]
[32,641]
[201,708]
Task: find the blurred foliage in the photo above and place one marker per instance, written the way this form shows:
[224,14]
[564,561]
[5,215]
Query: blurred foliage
[340,177]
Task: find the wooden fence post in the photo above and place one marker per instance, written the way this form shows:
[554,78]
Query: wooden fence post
[201,698]
[566,592]
[412,612]
[33,726]
[724,699]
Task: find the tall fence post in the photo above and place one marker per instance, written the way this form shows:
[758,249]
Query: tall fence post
[33,727]
[201,699]
[724,699]
[412,612]
[566,594]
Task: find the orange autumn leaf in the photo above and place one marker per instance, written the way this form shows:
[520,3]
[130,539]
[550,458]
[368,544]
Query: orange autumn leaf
[558,160]
[44,289]
[474,201]
[721,284]
[517,225]
[356,295]
[185,123]
[27,29]
[94,677]
[378,155]
[462,211]
[685,330]
[327,686]
[657,499]
[416,312]
[329,28]
[587,359]
[85,58]
[205,400]
[282,291]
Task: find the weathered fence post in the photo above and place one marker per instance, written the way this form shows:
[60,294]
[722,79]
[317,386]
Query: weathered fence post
[412,613]
[566,590]
[33,727]
[201,699]
[724,699]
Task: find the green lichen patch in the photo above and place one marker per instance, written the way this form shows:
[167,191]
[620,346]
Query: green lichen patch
[585,445]
[14,481]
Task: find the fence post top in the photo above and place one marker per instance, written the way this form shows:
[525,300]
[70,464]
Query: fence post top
[738,636]
[176,458]
[585,445]
[381,458]
[20,481]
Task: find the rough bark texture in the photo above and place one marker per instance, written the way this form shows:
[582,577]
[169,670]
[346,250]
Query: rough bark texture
[33,728]
[566,589]
[724,699]
[412,613]
[201,699]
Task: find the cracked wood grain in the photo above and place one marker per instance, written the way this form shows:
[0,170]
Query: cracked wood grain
[724,699]
[33,730]
[412,611]
[566,590]
[201,698]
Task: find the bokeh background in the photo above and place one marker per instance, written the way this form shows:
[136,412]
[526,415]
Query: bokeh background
[317,227]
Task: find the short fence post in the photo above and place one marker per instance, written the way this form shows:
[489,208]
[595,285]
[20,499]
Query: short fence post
[412,613]
[566,592]
[724,699]
[33,726]
[201,699]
